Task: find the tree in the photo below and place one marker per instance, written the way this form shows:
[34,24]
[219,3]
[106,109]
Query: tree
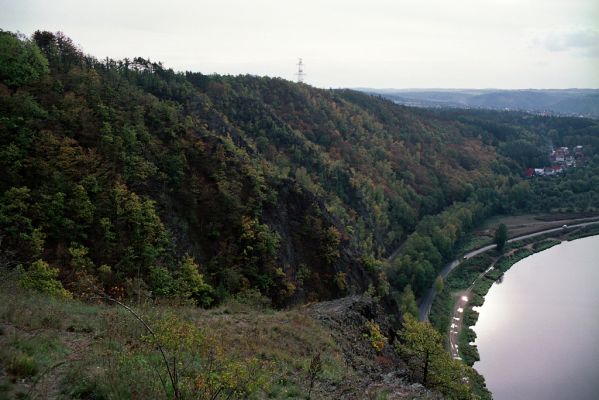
[407,302]
[42,278]
[14,207]
[59,49]
[190,283]
[21,61]
[501,237]
[161,281]
[330,245]
[16,227]
[421,346]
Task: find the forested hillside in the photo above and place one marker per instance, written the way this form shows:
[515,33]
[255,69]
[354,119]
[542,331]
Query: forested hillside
[131,177]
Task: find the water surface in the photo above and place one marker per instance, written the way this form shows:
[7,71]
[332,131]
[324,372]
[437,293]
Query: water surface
[538,331]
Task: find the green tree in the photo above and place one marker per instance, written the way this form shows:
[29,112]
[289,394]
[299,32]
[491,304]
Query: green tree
[501,237]
[407,302]
[16,227]
[42,278]
[14,206]
[421,346]
[330,245]
[81,206]
[161,281]
[259,249]
[190,283]
[143,238]
[383,287]
[80,260]
[21,61]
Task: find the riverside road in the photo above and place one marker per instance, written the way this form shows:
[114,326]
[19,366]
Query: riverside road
[424,308]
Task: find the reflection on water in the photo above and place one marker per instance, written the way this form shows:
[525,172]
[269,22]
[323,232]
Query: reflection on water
[538,332]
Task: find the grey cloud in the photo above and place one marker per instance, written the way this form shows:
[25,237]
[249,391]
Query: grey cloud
[582,41]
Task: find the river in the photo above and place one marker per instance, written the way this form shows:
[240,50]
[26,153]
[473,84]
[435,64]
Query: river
[538,330]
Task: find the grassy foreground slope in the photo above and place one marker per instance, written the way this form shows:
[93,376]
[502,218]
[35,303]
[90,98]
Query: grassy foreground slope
[56,348]
[53,348]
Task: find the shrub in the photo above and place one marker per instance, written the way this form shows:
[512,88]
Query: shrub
[377,339]
[42,278]
[341,281]
[22,366]
[253,298]
[383,287]
[161,281]
[190,283]
[204,369]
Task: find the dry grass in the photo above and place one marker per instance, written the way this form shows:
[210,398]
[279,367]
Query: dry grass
[100,350]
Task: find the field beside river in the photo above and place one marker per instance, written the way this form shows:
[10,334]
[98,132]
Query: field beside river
[519,225]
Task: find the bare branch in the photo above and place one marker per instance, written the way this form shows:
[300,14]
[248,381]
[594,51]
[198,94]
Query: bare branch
[151,331]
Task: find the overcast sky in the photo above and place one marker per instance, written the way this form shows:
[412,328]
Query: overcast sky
[344,43]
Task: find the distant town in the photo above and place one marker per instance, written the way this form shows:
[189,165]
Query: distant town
[561,159]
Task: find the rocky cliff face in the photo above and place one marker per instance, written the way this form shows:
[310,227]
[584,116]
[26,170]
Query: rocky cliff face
[305,227]
[377,372]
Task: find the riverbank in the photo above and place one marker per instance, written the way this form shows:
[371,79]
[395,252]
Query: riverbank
[466,286]
[470,267]
[426,302]
[535,332]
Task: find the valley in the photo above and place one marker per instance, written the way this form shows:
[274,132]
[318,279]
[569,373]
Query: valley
[174,234]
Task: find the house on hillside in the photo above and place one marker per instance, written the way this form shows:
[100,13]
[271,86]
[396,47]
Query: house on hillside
[578,155]
[561,159]
[553,170]
[560,155]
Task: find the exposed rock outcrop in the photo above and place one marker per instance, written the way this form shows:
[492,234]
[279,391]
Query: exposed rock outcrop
[377,372]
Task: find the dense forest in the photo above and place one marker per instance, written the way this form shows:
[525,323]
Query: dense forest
[128,176]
